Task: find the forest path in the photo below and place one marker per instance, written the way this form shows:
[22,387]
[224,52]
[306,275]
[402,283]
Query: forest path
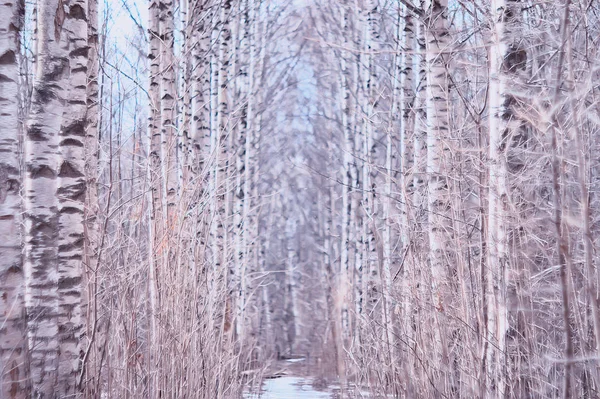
[290,387]
[290,379]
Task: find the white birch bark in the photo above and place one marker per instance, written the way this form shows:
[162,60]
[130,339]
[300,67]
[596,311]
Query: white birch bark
[505,63]
[437,143]
[438,157]
[265,247]
[42,161]
[347,180]
[155,178]
[92,357]
[201,36]
[404,67]
[242,200]
[185,149]
[71,199]
[499,121]
[360,125]
[213,253]
[419,169]
[168,103]
[222,148]
[419,197]
[13,345]
[291,288]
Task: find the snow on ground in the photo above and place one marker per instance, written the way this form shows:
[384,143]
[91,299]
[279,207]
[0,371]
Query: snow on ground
[288,388]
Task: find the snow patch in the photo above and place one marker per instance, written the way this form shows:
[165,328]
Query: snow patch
[288,388]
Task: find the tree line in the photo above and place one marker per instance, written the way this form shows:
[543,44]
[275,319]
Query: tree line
[404,191]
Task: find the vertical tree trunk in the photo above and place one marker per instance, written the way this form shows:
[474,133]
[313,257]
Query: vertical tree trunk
[71,199]
[42,158]
[419,200]
[156,204]
[168,103]
[347,180]
[13,345]
[200,146]
[221,184]
[438,204]
[91,361]
[243,251]
[404,66]
[503,124]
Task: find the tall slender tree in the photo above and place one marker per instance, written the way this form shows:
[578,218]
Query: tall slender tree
[13,346]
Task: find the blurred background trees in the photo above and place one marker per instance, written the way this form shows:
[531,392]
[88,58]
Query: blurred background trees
[402,192]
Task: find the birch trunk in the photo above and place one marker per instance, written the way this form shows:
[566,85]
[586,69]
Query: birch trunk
[406,93]
[503,124]
[222,148]
[71,200]
[438,157]
[347,180]
[13,345]
[155,177]
[91,228]
[200,146]
[42,158]
[419,181]
[221,186]
[242,199]
[168,103]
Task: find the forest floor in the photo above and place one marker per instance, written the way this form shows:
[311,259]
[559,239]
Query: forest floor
[298,379]
[292,379]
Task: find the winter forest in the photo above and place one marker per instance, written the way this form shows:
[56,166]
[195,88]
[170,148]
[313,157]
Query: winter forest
[400,196]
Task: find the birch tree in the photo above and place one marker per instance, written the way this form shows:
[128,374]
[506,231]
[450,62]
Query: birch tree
[438,208]
[13,346]
[507,58]
[71,200]
[54,198]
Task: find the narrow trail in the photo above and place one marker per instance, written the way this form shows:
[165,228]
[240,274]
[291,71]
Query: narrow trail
[290,379]
[289,387]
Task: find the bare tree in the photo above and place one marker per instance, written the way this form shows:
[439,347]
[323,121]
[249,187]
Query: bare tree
[13,346]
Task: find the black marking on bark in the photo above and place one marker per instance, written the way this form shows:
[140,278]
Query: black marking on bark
[77,12]
[45,93]
[42,171]
[71,142]
[70,210]
[7,185]
[68,282]
[67,170]
[15,268]
[4,78]
[82,68]
[516,59]
[80,52]
[77,102]
[8,57]
[35,134]
[75,192]
[56,69]
[76,128]
[59,19]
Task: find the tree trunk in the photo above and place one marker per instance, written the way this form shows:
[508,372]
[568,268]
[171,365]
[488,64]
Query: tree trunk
[91,361]
[71,201]
[13,345]
[438,204]
[155,224]
[43,165]
[503,124]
